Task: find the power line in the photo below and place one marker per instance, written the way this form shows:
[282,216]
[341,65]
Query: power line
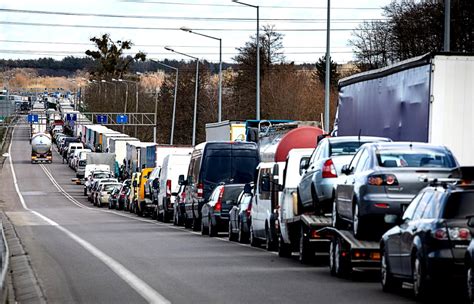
[263,6]
[167,28]
[158,45]
[299,20]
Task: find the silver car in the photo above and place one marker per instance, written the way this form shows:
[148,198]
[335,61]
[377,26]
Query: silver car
[317,186]
[383,178]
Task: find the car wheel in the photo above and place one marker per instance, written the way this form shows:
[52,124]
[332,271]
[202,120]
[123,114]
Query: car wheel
[306,253]
[470,284]
[332,257]
[212,228]
[420,282]
[166,217]
[336,220]
[187,222]
[284,250]
[153,214]
[196,224]
[254,242]
[340,265]
[85,191]
[204,230]
[357,222]
[175,219]
[242,237]
[388,281]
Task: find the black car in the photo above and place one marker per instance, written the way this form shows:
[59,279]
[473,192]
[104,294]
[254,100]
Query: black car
[429,244]
[213,163]
[239,216]
[215,212]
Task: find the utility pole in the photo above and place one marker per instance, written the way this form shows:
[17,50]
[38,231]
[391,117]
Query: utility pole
[327,89]
[447,25]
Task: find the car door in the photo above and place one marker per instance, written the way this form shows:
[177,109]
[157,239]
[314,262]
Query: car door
[304,186]
[410,230]
[262,204]
[392,244]
[344,192]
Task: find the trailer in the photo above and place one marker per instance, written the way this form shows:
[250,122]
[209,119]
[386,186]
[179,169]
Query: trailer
[225,131]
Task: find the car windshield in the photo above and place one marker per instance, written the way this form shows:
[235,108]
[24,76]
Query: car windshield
[414,158]
[345,148]
[459,205]
[101,175]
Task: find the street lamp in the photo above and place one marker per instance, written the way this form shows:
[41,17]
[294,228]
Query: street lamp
[328,69]
[219,104]
[258,53]
[174,103]
[195,90]
[126,97]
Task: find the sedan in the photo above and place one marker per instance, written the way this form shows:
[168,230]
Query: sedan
[215,213]
[104,192]
[113,198]
[239,217]
[383,178]
[428,246]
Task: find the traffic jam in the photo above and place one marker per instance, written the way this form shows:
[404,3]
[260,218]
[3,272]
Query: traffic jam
[392,196]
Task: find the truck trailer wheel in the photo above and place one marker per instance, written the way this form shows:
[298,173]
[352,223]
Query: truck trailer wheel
[340,263]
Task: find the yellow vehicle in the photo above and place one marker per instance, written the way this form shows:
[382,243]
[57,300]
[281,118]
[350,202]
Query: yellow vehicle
[133,196]
[143,206]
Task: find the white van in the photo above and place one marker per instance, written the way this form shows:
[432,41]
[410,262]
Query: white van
[173,166]
[72,147]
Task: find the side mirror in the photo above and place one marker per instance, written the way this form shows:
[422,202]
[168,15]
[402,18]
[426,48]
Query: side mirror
[265,183]
[304,164]
[470,221]
[392,219]
[346,170]
[135,184]
[155,184]
[276,170]
[182,181]
[247,188]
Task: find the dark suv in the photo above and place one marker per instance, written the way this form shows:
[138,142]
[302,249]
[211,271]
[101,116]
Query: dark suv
[213,163]
[429,244]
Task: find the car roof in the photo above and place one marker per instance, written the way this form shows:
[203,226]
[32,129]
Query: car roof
[404,145]
[341,139]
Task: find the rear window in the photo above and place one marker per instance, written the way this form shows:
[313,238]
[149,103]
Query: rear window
[345,148]
[415,158]
[232,193]
[109,187]
[459,205]
[237,170]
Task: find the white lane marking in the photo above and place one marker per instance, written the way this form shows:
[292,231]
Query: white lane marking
[142,288]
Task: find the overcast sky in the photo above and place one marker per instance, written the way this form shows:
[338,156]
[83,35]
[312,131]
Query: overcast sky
[304,40]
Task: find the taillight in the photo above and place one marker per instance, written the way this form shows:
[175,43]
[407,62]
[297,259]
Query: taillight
[249,210]
[168,188]
[453,234]
[329,170]
[218,205]
[382,180]
[200,190]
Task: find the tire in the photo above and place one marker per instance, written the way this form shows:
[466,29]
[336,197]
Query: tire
[166,217]
[332,258]
[187,222]
[388,281]
[254,242]
[212,228]
[340,266]
[270,245]
[204,230]
[306,252]
[232,235]
[420,282]
[85,191]
[284,250]
[175,219]
[470,284]
[154,215]
[242,237]
[336,220]
[358,223]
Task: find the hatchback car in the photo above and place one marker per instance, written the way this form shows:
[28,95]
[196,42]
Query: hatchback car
[317,186]
[215,213]
[429,244]
[103,193]
[113,198]
[240,216]
[383,178]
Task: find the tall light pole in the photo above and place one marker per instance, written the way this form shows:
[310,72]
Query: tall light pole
[115,89]
[173,119]
[327,89]
[136,100]
[447,25]
[258,54]
[219,103]
[195,90]
[126,97]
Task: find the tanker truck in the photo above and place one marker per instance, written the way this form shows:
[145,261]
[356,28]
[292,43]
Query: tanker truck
[41,148]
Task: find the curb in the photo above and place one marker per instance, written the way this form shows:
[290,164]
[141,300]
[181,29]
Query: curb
[24,283]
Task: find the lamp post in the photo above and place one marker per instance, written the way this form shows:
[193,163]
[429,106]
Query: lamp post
[173,119]
[126,98]
[258,54]
[136,100]
[195,91]
[327,89]
[219,103]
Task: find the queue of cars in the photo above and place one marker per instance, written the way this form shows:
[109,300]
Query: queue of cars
[409,202]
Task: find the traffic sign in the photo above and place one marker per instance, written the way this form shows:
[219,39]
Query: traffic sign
[102,119]
[71,117]
[122,119]
[32,118]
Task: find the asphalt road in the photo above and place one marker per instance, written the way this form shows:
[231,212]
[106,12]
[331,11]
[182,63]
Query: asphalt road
[84,254]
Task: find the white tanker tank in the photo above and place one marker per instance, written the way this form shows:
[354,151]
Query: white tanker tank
[41,148]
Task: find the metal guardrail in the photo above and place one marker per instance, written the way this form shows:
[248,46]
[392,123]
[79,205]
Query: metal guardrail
[5,267]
